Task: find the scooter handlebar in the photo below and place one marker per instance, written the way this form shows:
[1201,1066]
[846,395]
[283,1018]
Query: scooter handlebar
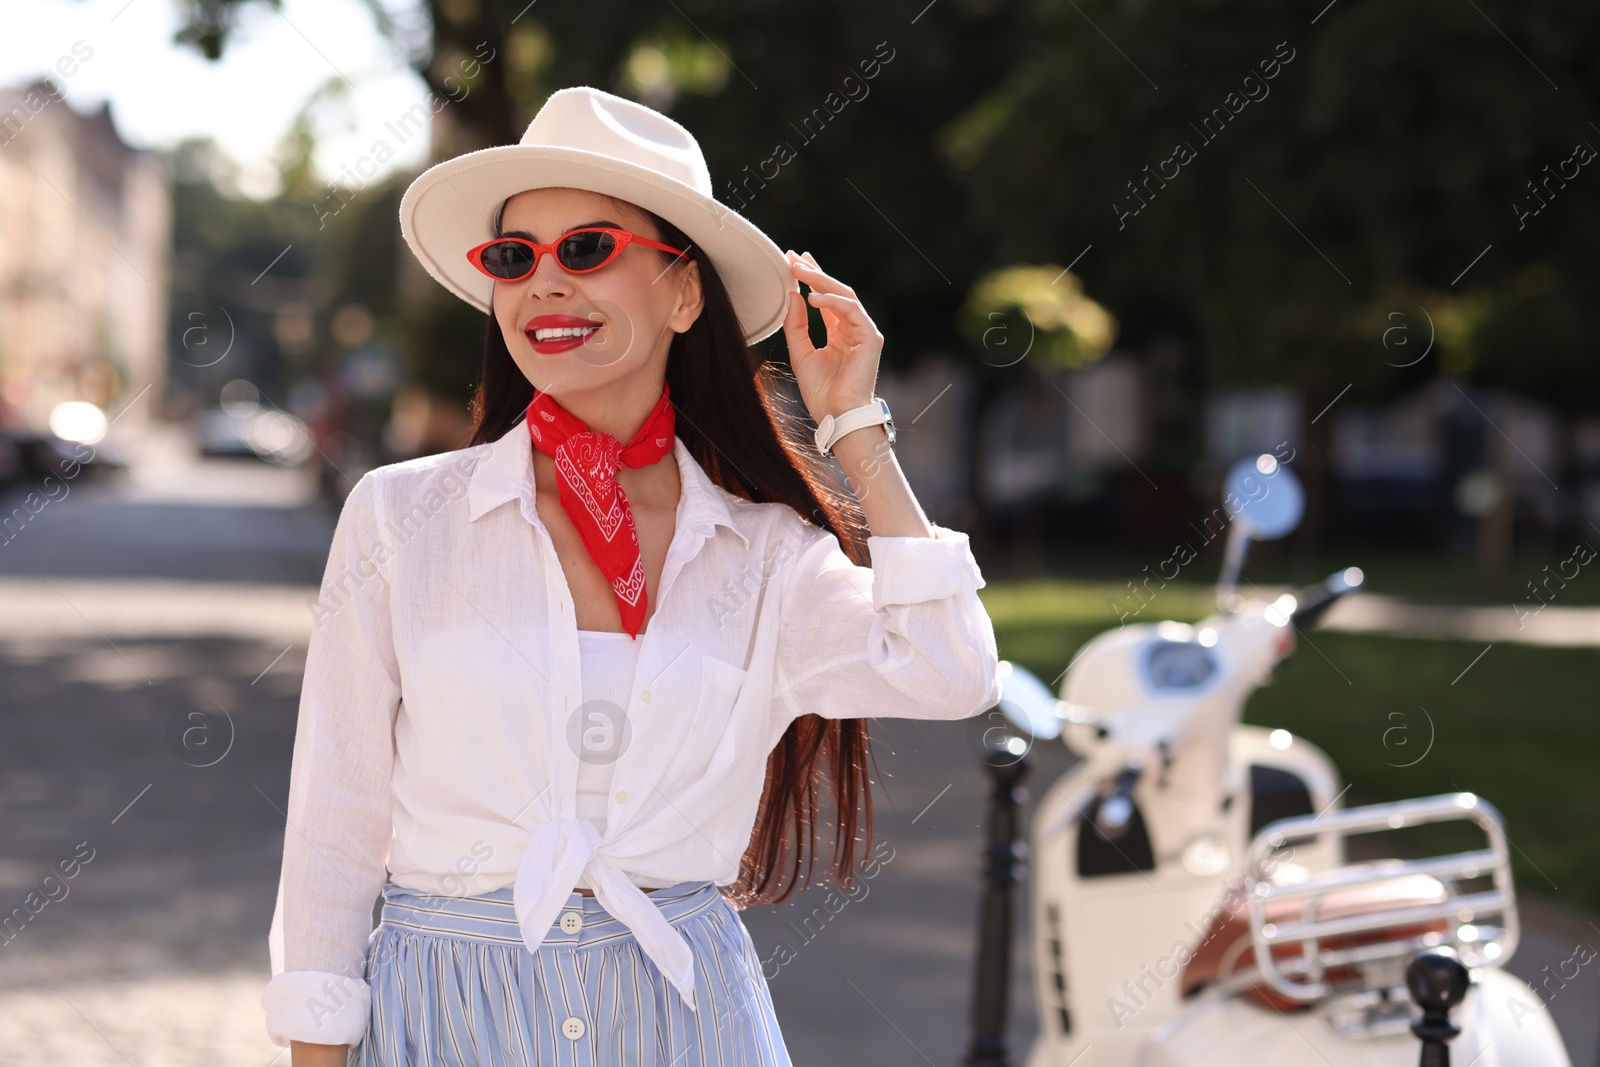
[1313,603]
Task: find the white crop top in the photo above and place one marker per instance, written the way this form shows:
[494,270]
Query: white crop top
[607,662]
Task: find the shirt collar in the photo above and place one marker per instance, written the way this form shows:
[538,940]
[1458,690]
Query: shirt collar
[505,472]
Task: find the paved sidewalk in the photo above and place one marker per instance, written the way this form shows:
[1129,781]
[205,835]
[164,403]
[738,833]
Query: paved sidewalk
[1551,625]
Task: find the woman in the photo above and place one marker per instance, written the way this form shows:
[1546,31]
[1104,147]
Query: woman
[566,740]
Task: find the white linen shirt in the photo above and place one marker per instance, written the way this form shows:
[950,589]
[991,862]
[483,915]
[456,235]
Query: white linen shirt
[439,736]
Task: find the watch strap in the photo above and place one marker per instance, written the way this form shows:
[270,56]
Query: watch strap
[832,428]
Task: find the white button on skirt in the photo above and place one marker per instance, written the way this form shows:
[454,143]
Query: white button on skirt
[453,985]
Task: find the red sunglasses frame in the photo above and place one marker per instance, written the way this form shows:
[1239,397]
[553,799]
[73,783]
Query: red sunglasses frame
[623,239]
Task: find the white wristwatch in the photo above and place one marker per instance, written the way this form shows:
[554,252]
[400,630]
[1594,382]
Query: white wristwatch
[830,429]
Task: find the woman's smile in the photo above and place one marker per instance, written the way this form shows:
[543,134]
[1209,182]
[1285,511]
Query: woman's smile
[549,334]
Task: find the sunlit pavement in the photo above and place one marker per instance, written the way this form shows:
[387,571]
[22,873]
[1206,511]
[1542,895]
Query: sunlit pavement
[131,606]
[1550,625]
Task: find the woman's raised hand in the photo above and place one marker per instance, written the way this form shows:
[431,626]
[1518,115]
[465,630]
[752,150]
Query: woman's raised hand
[843,373]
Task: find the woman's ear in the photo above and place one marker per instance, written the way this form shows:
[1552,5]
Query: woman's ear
[691,298]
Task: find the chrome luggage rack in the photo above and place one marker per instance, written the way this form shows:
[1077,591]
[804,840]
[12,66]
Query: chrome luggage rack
[1480,925]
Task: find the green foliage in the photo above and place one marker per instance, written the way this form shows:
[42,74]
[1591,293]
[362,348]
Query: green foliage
[220,296]
[1517,729]
[858,95]
[299,143]
[1287,177]
[1385,154]
[1062,327]
[273,276]
[208,23]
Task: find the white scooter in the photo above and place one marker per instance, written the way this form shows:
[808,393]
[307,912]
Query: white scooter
[1192,902]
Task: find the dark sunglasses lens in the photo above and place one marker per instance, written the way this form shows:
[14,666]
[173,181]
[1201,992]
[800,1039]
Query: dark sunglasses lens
[586,249]
[507,259]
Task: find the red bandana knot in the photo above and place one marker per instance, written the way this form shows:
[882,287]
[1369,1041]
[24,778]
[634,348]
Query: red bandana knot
[587,462]
[597,455]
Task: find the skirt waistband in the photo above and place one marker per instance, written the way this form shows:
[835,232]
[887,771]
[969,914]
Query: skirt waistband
[492,918]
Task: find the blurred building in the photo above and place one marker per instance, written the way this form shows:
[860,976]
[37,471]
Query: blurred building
[1067,455]
[1065,436]
[85,243]
[1441,465]
[932,407]
[1451,466]
[1247,422]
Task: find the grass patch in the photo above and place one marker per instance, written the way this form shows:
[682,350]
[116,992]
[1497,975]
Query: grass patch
[1521,727]
[1423,576]
[1042,624]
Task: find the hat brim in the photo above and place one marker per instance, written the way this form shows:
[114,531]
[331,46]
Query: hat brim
[450,208]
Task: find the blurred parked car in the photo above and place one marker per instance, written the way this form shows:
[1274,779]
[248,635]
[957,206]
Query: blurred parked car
[11,465]
[274,436]
[31,456]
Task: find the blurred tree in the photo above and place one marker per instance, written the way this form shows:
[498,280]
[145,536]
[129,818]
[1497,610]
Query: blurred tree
[231,316]
[297,174]
[1038,308]
[1302,171]
[1302,175]
[854,93]
[817,123]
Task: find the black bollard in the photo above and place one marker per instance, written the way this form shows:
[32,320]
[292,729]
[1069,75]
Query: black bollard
[1005,865]
[1438,981]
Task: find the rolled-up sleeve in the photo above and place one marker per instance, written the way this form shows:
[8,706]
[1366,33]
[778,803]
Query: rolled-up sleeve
[907,637]
[336,843]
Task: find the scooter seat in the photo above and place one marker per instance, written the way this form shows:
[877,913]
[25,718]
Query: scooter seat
[1226,950]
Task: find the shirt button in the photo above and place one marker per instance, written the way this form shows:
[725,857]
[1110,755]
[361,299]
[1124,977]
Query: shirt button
[571,922]
[622,796]
[573,1027]
[644,696]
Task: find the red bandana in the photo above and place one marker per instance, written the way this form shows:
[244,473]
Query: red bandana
[587,462]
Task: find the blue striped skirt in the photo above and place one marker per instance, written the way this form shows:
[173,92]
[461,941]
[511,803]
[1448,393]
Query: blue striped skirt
[453,985]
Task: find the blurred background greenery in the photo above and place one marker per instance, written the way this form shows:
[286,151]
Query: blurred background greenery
[1344,166]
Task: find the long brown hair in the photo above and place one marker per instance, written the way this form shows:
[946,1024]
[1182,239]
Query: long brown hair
[731,416]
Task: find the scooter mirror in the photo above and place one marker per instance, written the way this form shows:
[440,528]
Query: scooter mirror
[1027,703]
[1263,497]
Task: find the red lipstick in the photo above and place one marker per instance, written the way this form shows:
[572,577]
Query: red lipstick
[588,328]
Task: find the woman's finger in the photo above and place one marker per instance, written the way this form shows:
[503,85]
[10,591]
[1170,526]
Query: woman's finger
[838,303]
[841,305]
[840,315]
[796,328]
[843,309]
[806,259]
[814,277]
[809,258]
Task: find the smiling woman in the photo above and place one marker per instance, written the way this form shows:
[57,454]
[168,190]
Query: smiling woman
[637,294]
[550,665]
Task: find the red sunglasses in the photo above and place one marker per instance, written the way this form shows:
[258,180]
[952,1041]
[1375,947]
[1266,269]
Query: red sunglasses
[511,259]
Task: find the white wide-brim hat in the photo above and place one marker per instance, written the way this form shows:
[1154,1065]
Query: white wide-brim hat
[586,138]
